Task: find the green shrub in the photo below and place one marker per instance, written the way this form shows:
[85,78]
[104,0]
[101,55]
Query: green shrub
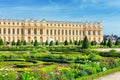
[86,43]
[83,73]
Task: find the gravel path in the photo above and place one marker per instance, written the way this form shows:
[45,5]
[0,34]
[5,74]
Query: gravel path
[107,49]
[113,76]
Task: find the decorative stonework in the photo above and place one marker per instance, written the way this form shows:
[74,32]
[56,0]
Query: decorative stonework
[45,30]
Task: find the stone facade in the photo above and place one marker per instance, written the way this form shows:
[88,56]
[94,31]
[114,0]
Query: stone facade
[47,30]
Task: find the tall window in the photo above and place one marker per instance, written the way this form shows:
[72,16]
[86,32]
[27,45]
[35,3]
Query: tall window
[89,32]
[98,32]
[29,32]
[4,31]
[0,30]
[47,31]
[79,32]
[73,32]
[55,32]
[58,32]
[62,32]
[8,31]
[65,32]
[76,32]
[83,33]
[69,32]
[41,31]
[22,31]
[51,32]
[35,31]
[17,31]
[13,31]
[93,32]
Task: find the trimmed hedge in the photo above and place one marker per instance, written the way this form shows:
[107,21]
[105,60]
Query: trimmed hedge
[97,75]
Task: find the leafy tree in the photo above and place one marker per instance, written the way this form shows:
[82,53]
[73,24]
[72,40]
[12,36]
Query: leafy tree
[1,42]
[24,42]
[109,44]
[51,43]
[46,43]
[71,42]
[13,42]
[18,43]
[117,42]
[93,43]
[56,43]
[66,42]
[86,43]
[79,42]
[36,43]
[75,42]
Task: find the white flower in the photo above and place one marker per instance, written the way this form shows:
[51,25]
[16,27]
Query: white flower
[6,74]
[104,68]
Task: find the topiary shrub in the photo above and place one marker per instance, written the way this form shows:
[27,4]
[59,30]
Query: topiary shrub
[86,43]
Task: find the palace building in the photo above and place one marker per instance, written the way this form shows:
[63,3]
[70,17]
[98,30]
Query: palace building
[31,30]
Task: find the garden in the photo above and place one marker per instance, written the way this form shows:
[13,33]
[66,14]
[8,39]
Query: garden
[56,61]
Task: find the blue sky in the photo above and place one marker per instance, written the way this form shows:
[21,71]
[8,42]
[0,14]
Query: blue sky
[105,11]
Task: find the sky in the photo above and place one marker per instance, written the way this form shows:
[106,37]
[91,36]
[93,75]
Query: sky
[105,11]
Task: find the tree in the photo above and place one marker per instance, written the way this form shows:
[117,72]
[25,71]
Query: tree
[24,42]
[18,43]
[104,42]
[35,43]
[75,42]
[46,43]
[57,43]
[32,42]
[86,43]
[1,42]
[51,43]
[71,42]
[117,42]
[109,44]
[66,42]
[93,43]
[13,42]
[79,42]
